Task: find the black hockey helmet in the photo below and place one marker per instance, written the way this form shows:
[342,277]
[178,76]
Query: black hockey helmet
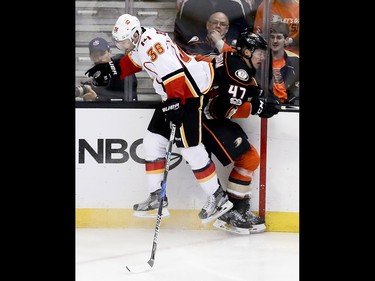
[252,41]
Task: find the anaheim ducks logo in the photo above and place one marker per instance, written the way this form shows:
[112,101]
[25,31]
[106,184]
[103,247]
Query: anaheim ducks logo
[237,142]
[242,74]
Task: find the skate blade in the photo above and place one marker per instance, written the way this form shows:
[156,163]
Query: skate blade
[151,214]
[225,208]
[222,225]
[258,228]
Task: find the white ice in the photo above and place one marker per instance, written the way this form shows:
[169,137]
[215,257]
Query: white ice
[186,255]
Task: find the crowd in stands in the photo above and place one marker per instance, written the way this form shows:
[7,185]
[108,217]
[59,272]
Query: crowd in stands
[209,27]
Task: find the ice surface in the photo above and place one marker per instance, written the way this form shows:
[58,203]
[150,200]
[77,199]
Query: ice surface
[186,255]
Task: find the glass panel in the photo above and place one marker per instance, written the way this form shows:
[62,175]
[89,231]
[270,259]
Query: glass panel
[188,23]
[96,19]
[278,22]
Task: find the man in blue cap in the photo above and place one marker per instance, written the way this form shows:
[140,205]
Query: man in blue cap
[100,52]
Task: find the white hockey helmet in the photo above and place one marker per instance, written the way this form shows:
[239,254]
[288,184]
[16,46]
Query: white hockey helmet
[126,26]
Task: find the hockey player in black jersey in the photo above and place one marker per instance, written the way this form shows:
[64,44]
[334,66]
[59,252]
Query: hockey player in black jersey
[235,93]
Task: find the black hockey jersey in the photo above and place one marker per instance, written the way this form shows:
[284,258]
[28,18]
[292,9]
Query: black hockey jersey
[234,85]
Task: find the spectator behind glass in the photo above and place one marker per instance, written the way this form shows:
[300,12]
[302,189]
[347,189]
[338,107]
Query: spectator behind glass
[285,11]
[100,52]
[193,14]
[215,41]
[285,65]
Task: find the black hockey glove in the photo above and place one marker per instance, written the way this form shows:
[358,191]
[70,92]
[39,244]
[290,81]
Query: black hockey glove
[265,107]
[101,73]
[173,111]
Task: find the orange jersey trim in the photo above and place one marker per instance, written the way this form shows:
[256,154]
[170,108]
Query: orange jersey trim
[243,111]
[206,173]
[219,143]
[128,66]
[156,167]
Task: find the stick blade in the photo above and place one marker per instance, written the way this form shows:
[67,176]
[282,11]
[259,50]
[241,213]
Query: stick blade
[140,268]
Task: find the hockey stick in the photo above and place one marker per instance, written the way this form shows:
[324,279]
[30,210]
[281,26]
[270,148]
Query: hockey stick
[150,263]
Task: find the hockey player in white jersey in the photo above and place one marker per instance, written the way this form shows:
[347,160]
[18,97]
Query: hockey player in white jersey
[181,81]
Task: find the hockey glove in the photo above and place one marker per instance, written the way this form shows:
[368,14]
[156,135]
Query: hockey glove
[101,73]
[265,107]
[173,111]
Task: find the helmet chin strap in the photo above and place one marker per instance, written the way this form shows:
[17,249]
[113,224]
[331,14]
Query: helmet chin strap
[249,58]
[133,40]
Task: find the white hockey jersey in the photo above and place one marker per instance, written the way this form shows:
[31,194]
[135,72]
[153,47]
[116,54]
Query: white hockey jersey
[175,74]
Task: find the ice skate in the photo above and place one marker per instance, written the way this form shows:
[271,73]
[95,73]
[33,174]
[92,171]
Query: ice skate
[257,223]
[235,222]
[149,207]
[217,205]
